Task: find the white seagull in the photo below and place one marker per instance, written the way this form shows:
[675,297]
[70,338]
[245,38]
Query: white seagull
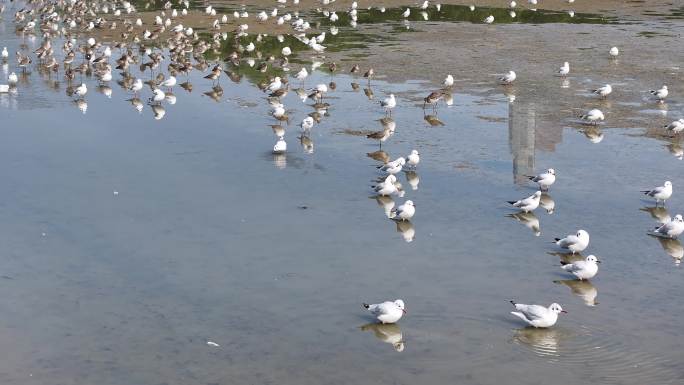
[448,81]
[413,158]
[576,243]
[307,123]
[536,315]
[405,212]
[582,269]
[673,228]
[545,179]
[387,312]
[661,94]
[593,116]
[81,90]
[489,19]
[389,103]
[660,193]
[603,91]
[676,127]
[528,204]
[614,52]
[508,78]
[393,167]
[13,79]
[564,69]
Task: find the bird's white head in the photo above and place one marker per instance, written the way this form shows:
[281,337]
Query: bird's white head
[664,87]
[556,308]
[592,258]
[668,183]
[401,161]
[399,346]
[551,171]
[409,203]
[391,178]
[537,194]
[400,304]
[678,218]
[414,152]
[581,234]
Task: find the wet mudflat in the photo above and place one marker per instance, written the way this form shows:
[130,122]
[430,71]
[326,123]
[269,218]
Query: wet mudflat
[129,241]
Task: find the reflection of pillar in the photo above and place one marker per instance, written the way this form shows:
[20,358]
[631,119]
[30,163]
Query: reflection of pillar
[522,127]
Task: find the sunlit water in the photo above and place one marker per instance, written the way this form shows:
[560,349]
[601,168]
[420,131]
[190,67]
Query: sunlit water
[130,242]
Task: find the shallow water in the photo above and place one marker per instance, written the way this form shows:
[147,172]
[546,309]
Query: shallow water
[130,242]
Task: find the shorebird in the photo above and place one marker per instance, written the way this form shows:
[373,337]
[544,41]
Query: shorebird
[157,96]
[387,312]
[545,179]
[593,116]
[508,78]
[215,74]
[433,98]
[81,90]
[404,212]
[528,204]
[536,315]
[586,269]
[660,94]
[576,243]
[168,82]
[388,104]
[448,81]
[369,74]
[660,193]
[302,75]
[413,159]
[603,91]
[673,228]
[676,127]
[564,69]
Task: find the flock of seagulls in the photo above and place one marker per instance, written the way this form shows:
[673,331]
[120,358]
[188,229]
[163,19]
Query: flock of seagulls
[69,49]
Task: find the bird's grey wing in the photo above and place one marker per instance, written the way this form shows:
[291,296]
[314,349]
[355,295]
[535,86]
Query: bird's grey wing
[569,240]
[382,308]
[532,312]
[656,190]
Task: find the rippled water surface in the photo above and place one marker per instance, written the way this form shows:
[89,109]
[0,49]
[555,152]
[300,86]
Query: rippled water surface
[129,241]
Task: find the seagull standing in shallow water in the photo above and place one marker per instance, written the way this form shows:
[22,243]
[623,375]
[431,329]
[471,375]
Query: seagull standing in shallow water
[404,212]
[528,204]
[661,93]
[603,91]
[673,228]
[536,315]
[676,127]
[593,116]
[576,243]
[508,78]
[582,269]
[388,104]
[448,81]
[545,179]
[387,312]
[660,193]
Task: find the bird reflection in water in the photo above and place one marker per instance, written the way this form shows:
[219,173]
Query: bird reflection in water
[406,229]
[387,333]
[583,289]
[547,203]
[529,220]
[673,248]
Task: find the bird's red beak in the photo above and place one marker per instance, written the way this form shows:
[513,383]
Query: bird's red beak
[563,311]
[403,311]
